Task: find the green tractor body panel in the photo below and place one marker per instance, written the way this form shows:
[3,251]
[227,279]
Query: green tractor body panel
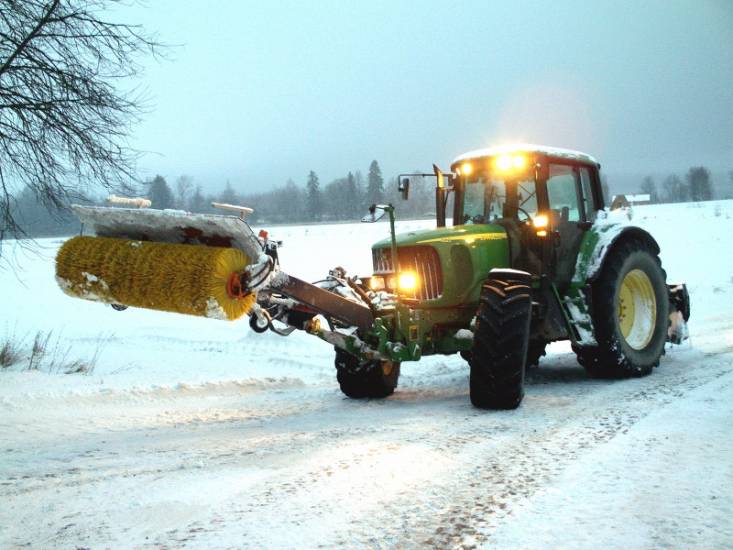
[464,256]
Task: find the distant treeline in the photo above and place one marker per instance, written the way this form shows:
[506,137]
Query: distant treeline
[696,186]
[344,199]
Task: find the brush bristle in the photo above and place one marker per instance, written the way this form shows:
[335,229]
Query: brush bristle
[168,277]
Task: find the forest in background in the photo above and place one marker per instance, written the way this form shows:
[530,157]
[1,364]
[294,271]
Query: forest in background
[344,199]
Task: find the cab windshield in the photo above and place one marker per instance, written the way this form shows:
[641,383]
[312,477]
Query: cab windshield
[489,197]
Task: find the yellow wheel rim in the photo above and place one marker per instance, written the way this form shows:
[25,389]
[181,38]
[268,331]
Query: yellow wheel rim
[636,309]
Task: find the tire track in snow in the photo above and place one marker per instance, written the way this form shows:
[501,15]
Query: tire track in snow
[317,451]
[462,510]
[519,470]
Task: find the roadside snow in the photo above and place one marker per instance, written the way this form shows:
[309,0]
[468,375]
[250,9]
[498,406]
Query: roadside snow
[667,482]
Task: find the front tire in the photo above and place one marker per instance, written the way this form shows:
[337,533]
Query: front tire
[360,379]
[500,341]
[630,314]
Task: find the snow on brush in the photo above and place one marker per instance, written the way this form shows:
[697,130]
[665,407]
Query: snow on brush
[193,433]
[214,309]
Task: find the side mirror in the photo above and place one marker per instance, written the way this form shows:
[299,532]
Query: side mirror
[404,188]
[375,214]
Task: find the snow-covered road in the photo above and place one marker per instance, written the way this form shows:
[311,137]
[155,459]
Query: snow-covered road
[197,433]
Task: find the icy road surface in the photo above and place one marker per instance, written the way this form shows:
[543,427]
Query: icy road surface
[199,433]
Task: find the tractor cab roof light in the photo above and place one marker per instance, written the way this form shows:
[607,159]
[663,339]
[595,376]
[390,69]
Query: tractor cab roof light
[508,162]
[466,169]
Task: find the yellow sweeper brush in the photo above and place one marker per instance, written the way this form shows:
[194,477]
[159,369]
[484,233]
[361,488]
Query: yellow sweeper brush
[181,278]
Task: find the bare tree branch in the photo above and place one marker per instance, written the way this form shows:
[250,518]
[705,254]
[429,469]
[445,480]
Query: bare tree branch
[64,116]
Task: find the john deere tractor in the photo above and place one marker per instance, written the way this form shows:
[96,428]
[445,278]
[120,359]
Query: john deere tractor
[530,256]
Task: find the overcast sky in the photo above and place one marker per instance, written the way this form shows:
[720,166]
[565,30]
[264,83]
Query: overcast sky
[259,92]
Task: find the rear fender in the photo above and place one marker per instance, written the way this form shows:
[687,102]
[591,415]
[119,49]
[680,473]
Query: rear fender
[596,244]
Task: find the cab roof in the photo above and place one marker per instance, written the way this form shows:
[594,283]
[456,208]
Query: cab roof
[567,154]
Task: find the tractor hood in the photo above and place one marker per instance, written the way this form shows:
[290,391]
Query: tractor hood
[450,262]
[466,234]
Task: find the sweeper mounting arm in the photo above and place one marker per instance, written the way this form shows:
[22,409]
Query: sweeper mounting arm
[324,302]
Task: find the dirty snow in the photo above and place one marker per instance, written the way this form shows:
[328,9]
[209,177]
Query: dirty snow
[464,334]
[196,433]
[581,321]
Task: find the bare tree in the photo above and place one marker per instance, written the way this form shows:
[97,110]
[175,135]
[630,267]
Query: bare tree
[649,187]
[675,190]
[698,180]
[64,112]
[184,186]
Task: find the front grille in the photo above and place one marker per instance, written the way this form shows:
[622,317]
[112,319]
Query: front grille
[382,260]
[421,260]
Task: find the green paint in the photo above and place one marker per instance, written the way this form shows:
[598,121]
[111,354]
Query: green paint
[590,252]
[467,253]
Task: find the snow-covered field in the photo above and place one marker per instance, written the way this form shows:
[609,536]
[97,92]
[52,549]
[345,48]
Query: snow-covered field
[192,432]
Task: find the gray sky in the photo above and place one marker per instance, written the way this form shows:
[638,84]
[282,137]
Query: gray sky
[260,92]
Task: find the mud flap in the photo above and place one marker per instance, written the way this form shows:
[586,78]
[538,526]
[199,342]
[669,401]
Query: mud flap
[679,313]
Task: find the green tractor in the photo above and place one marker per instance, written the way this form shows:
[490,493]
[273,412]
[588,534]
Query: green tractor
[531,257]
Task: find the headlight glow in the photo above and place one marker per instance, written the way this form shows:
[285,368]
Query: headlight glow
[510,162]
[504,162]
[407,281]
[376,283]
[540,221]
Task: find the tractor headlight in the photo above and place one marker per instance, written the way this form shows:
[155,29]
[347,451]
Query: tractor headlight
[376,283]
[407,281]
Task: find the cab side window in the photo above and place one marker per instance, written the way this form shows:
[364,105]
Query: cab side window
[585,183]
[562,190]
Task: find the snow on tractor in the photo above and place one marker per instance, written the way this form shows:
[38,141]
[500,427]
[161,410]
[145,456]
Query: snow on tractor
[531,257]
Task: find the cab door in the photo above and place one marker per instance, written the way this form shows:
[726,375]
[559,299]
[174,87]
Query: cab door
[571,211]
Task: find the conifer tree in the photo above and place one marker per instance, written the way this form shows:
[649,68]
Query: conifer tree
[313,196]
[197,201]
[160,194]
[229,195]
[375,184]
[352,206]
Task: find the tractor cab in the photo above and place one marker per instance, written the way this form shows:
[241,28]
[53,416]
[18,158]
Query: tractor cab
[524,207]
[544,198]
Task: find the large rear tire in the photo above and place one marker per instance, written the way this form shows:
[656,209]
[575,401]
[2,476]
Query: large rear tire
[365,379]
[500,341]
[630,313]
